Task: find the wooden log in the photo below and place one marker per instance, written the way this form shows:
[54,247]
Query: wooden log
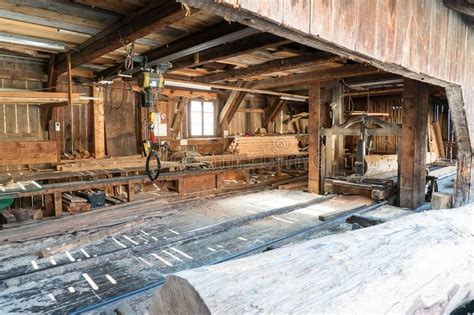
[441,200]
[388,268]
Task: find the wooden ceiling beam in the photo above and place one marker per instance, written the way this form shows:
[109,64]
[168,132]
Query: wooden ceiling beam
[273,66]
[192,43]
[316,76]
[66,7]
[152,17]
[232,49]
[465,7]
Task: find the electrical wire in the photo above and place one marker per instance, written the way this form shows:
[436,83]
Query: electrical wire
[107,93]
[130,50]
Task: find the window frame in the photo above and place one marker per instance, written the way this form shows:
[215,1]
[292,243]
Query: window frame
[214,119]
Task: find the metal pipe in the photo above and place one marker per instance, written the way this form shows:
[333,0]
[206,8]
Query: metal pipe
[44,44]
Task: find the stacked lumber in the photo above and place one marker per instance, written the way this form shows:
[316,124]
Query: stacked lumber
[75,204]
[265,146]
[28,152]
[378,270]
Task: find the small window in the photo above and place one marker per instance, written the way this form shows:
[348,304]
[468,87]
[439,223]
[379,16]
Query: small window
[202,119]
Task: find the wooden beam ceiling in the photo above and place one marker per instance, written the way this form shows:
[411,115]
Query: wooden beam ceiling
[316,76]
[151,17]
[192,43]
[238,47]
[70,8]
[273,66]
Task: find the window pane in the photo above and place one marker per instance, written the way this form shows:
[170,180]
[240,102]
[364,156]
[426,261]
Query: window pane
[196,123]
[208,130]
[196,118]
[208,119]
[196,106]
[196,130]
[208,107]
[208,124]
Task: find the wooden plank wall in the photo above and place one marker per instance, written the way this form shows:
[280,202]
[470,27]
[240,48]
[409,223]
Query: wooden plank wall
[120,120]
[76,121]
[421,35]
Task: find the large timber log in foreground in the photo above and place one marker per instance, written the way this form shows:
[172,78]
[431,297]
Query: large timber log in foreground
[421,263]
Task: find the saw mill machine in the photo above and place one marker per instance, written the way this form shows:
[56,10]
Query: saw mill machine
[363,127]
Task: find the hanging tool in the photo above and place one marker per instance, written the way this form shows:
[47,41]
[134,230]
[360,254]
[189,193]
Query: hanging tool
[151,80]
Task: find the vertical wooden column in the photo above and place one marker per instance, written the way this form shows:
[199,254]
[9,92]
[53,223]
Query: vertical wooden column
[69,78]
[314,143]
[58,204]
[413,144]
[99,123]
[464,184]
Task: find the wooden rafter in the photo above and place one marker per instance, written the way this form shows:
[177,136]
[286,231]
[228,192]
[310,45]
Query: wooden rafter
[231,105]
[238,47]
[273,111]
[151,17]
[316,76]
[273,66]
[192,42]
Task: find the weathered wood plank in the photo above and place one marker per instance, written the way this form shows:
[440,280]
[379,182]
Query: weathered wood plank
[34,152]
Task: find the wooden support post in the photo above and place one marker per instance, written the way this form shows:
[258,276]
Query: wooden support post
[130,190]
[69,78]
[99,123]
[58,204]
[314,143]
[412,158]
[464,186]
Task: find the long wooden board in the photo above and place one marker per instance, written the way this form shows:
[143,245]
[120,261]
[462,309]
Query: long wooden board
[34,152]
